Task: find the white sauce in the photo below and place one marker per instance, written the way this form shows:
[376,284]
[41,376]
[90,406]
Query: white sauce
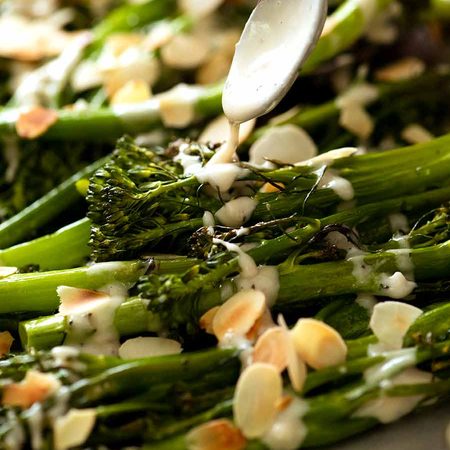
[219,176]
[208,221]
[398,222]
[241,343]
[396,286]
[288,430]
[92,328]
[396,361]
[366,301]
[403,257]
[266,280]
[246,262]
[226,153]
[342,187]
[236,212]
[389,409]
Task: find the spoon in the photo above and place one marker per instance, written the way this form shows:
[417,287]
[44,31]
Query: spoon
[276,41]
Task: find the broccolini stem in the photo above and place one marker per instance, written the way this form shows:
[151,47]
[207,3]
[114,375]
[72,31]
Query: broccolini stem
[45,209]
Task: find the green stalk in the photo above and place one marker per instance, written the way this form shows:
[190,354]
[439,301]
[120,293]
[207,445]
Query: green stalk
[311,117]
[36,292]
[148,372]
[111,123]
[45,209]
[64,249]
[131,17]
[347,24]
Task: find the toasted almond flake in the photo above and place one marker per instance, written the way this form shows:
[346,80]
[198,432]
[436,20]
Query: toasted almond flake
[362,94]
[185,52]
[6,341]
[75,300]
[258,392]
[288,144]
[239,313]
[206,321]
[33,40]
[218,131]
[199,8]
[272,348]
[6,271]
[402,70]
[390,322]
[416,134]
[296,367]
[269,188]
[134,91]
[118,43]
[214,69]
[73,429]
[357,120]
[264,323]
[145,347]
[35,387]
[318,344]
[218,434]
[329,157]
[35,122]
[158,36]
[284,403]
[177,106]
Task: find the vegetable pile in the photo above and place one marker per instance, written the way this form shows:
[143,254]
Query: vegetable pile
[155,298]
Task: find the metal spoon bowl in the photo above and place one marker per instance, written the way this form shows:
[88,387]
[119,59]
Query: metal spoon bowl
[277,39]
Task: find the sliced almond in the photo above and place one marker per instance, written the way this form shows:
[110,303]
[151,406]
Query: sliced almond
[258,392]
[272,348]
[6,341]
[402,70]
[264,323]
[416,134]
[288,144]
[214,69]
[74,428]
[318,344]
[218,131]
[296,367]
[185,51]
[75,300]
[134,91]
[357,120]
[269,188]
[158,36]
[390,322]
[177,106]
[238,314]
[145,347]
[33,40]
[199,8]
[206,321]
[331,156]
[35,387]
[218,434]
[120,42]
[362,94]
[35,122]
